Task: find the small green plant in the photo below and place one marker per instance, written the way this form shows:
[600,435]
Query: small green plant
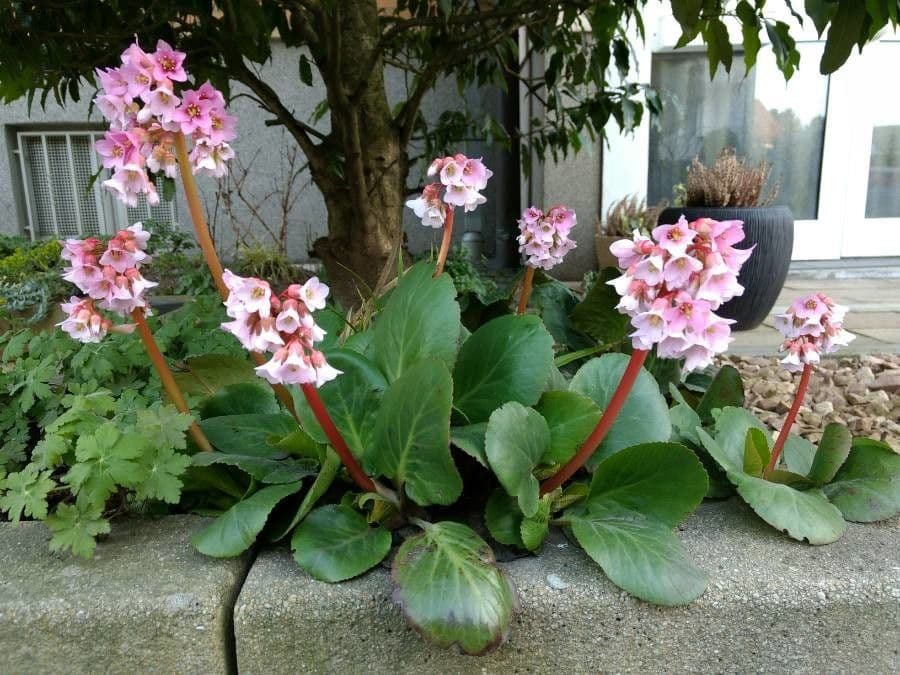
[730,181]
[266,262]
[628,215]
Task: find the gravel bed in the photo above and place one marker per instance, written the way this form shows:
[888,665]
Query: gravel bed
[862,392]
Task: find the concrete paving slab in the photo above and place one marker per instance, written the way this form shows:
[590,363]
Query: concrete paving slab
[773,605]
[146,602]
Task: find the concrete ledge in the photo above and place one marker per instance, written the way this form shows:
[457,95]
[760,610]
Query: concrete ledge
[773,605]
[147,602]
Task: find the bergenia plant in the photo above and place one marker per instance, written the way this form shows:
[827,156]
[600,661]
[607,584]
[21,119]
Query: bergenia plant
[795,486]
[110,277]
[544,241]
[460,182]
[672,285]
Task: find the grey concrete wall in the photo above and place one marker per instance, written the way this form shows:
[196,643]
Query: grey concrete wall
[260,146]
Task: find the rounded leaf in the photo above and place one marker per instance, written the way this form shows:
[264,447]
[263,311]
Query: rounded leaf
[571,417]
[867,487]
[335,542]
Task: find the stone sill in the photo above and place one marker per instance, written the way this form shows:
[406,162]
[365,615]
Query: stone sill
[148,602]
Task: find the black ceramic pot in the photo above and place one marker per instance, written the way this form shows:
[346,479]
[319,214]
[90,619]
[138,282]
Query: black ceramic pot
[771,228]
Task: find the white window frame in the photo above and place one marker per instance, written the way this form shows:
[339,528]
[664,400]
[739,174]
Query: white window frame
[112,214]
[840,228]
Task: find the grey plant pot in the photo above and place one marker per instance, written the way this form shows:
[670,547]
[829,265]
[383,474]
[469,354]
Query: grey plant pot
[771,229]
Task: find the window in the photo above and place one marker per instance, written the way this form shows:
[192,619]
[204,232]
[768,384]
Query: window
[758,115]
[56,169]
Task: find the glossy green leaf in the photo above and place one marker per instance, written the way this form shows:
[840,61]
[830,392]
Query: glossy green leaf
[803,515]
[205,375]
[644,417]
[331,465]
[571,418]
[638,553]
[507,359]
[732,425]
[235,530]
[300,444]
[844,32]
[798,454]
[248,434]
[831,454]
[756,452]
[412,435]
[725,390]
[867,487]
[242,398]
[335,542]
[534,529]
[419,321]
[504,519]
[554,301]
[352,400]
[470,439]
[451,590]
[263,469]
[597,315]
[517,437]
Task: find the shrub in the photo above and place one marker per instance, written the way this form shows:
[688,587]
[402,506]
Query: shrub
[729,182]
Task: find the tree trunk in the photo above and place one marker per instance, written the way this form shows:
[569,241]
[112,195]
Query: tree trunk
[365,204]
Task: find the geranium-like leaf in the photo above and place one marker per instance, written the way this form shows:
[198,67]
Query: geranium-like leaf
[867,487]
[76,527]
[831,454]
[639,554]
[352,400]
[725,390]
[637,496]
[803,515]
[571,417]
[517,437]
[335,542]
[644,417]
[419,321]
[249,434]
[235,530]
[470,439]
[412,435]
[508,359]
[451,589]
[756,452]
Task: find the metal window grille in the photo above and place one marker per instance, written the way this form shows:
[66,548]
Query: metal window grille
[56,169]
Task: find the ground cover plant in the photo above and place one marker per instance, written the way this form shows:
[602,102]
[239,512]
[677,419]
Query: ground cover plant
[397,428]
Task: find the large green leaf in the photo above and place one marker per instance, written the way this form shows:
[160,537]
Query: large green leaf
[420,321]
[555,300]
[249,434]
[352,400]
[756,452]
[205,375]
[517,437]
[503,518]
[507,359]
[636,497]
[867,487]
[847,27]
[831,454]
[803,515]
[235,530]
[263,469]
[331,465]
[725,390]
[644,417]
[732,425]
[242,398]
[597,315]
[412,435]
[798,454]
[451,589]
[639,554]
[335,542]
[571,417]
[470,439]
[664,481]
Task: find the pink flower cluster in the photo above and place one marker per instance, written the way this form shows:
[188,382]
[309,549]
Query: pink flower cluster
[812,326]
[284,325]
[109,276]
[544,237]
[144,110]
[461,181]
[674,282]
